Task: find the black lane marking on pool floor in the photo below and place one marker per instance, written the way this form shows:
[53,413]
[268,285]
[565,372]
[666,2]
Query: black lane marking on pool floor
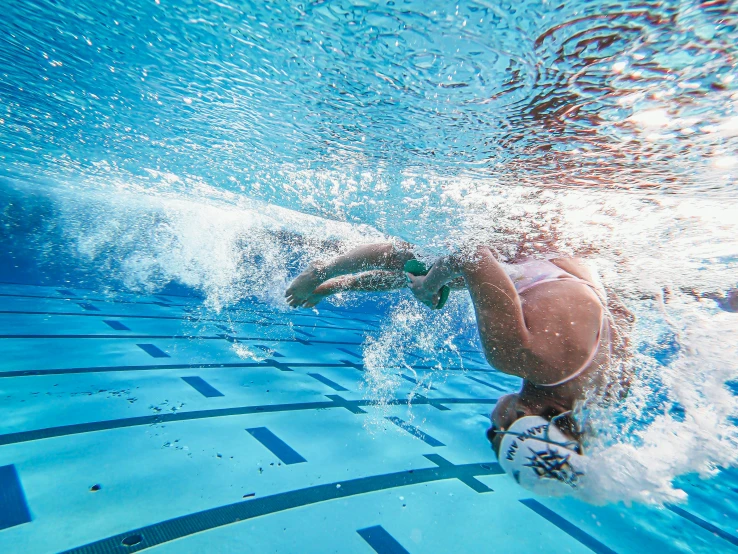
[354,406]
[276,446]
[153,351]
[230,338]
[567,527]
[346,316]
[114,324]
[360,367]
[202,386]
[415,382]
[197,319]
[472,483]
[279,365]
[105,369]
[714,529]
[346,313]
[273,353]
[183,526]
[13,506]
[381,541]
[162,367]
[414,431]
[430,402]
[332,384]
[350,353]
[168,304]
[486,384]
[87,306]
[71,294]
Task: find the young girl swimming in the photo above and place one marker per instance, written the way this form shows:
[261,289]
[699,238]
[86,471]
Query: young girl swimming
[545,321]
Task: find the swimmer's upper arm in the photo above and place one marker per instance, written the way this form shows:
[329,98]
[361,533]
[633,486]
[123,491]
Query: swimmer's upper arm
[508,343]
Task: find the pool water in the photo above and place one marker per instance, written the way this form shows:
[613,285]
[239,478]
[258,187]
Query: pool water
[167,167]
[129,422]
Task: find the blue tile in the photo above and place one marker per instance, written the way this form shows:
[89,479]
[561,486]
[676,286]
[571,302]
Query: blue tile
[326,381]
[13,507]
[117,325]
[201,386]
[153,351]
[87,306]
[276,445]
[567,527]
[427,439]
[381,541]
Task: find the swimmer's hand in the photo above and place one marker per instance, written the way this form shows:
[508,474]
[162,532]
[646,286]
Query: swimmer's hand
[416,283]
[301,292]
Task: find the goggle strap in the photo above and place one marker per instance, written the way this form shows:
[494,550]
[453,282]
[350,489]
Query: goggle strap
[576,448]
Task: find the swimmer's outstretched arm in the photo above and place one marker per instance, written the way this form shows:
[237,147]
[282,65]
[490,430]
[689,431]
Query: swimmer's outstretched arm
[368,281]
[386,257]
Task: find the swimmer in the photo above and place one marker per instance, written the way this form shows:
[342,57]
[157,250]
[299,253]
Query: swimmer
[546,321]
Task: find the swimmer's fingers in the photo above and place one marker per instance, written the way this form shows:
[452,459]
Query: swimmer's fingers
[415,284]
[294,302]
[432,302]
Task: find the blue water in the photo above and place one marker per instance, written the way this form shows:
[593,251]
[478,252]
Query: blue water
[167,167]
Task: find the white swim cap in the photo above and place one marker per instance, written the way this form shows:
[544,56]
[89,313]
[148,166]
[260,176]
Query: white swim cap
[528,456]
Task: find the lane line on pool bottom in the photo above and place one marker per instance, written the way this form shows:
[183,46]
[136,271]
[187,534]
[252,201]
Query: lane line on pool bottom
[567,527]
[414,431]
[381,541]
[276,446]
[177,528]
[354,406]
[169,304]
[12,499]
[714,529]
[161,367]
[202,386]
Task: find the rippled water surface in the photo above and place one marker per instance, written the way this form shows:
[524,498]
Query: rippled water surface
[606,94]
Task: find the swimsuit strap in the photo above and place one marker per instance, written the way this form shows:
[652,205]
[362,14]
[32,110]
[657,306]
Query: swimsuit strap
[553,280]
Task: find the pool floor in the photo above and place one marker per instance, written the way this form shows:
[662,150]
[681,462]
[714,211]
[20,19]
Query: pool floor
[130,423]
